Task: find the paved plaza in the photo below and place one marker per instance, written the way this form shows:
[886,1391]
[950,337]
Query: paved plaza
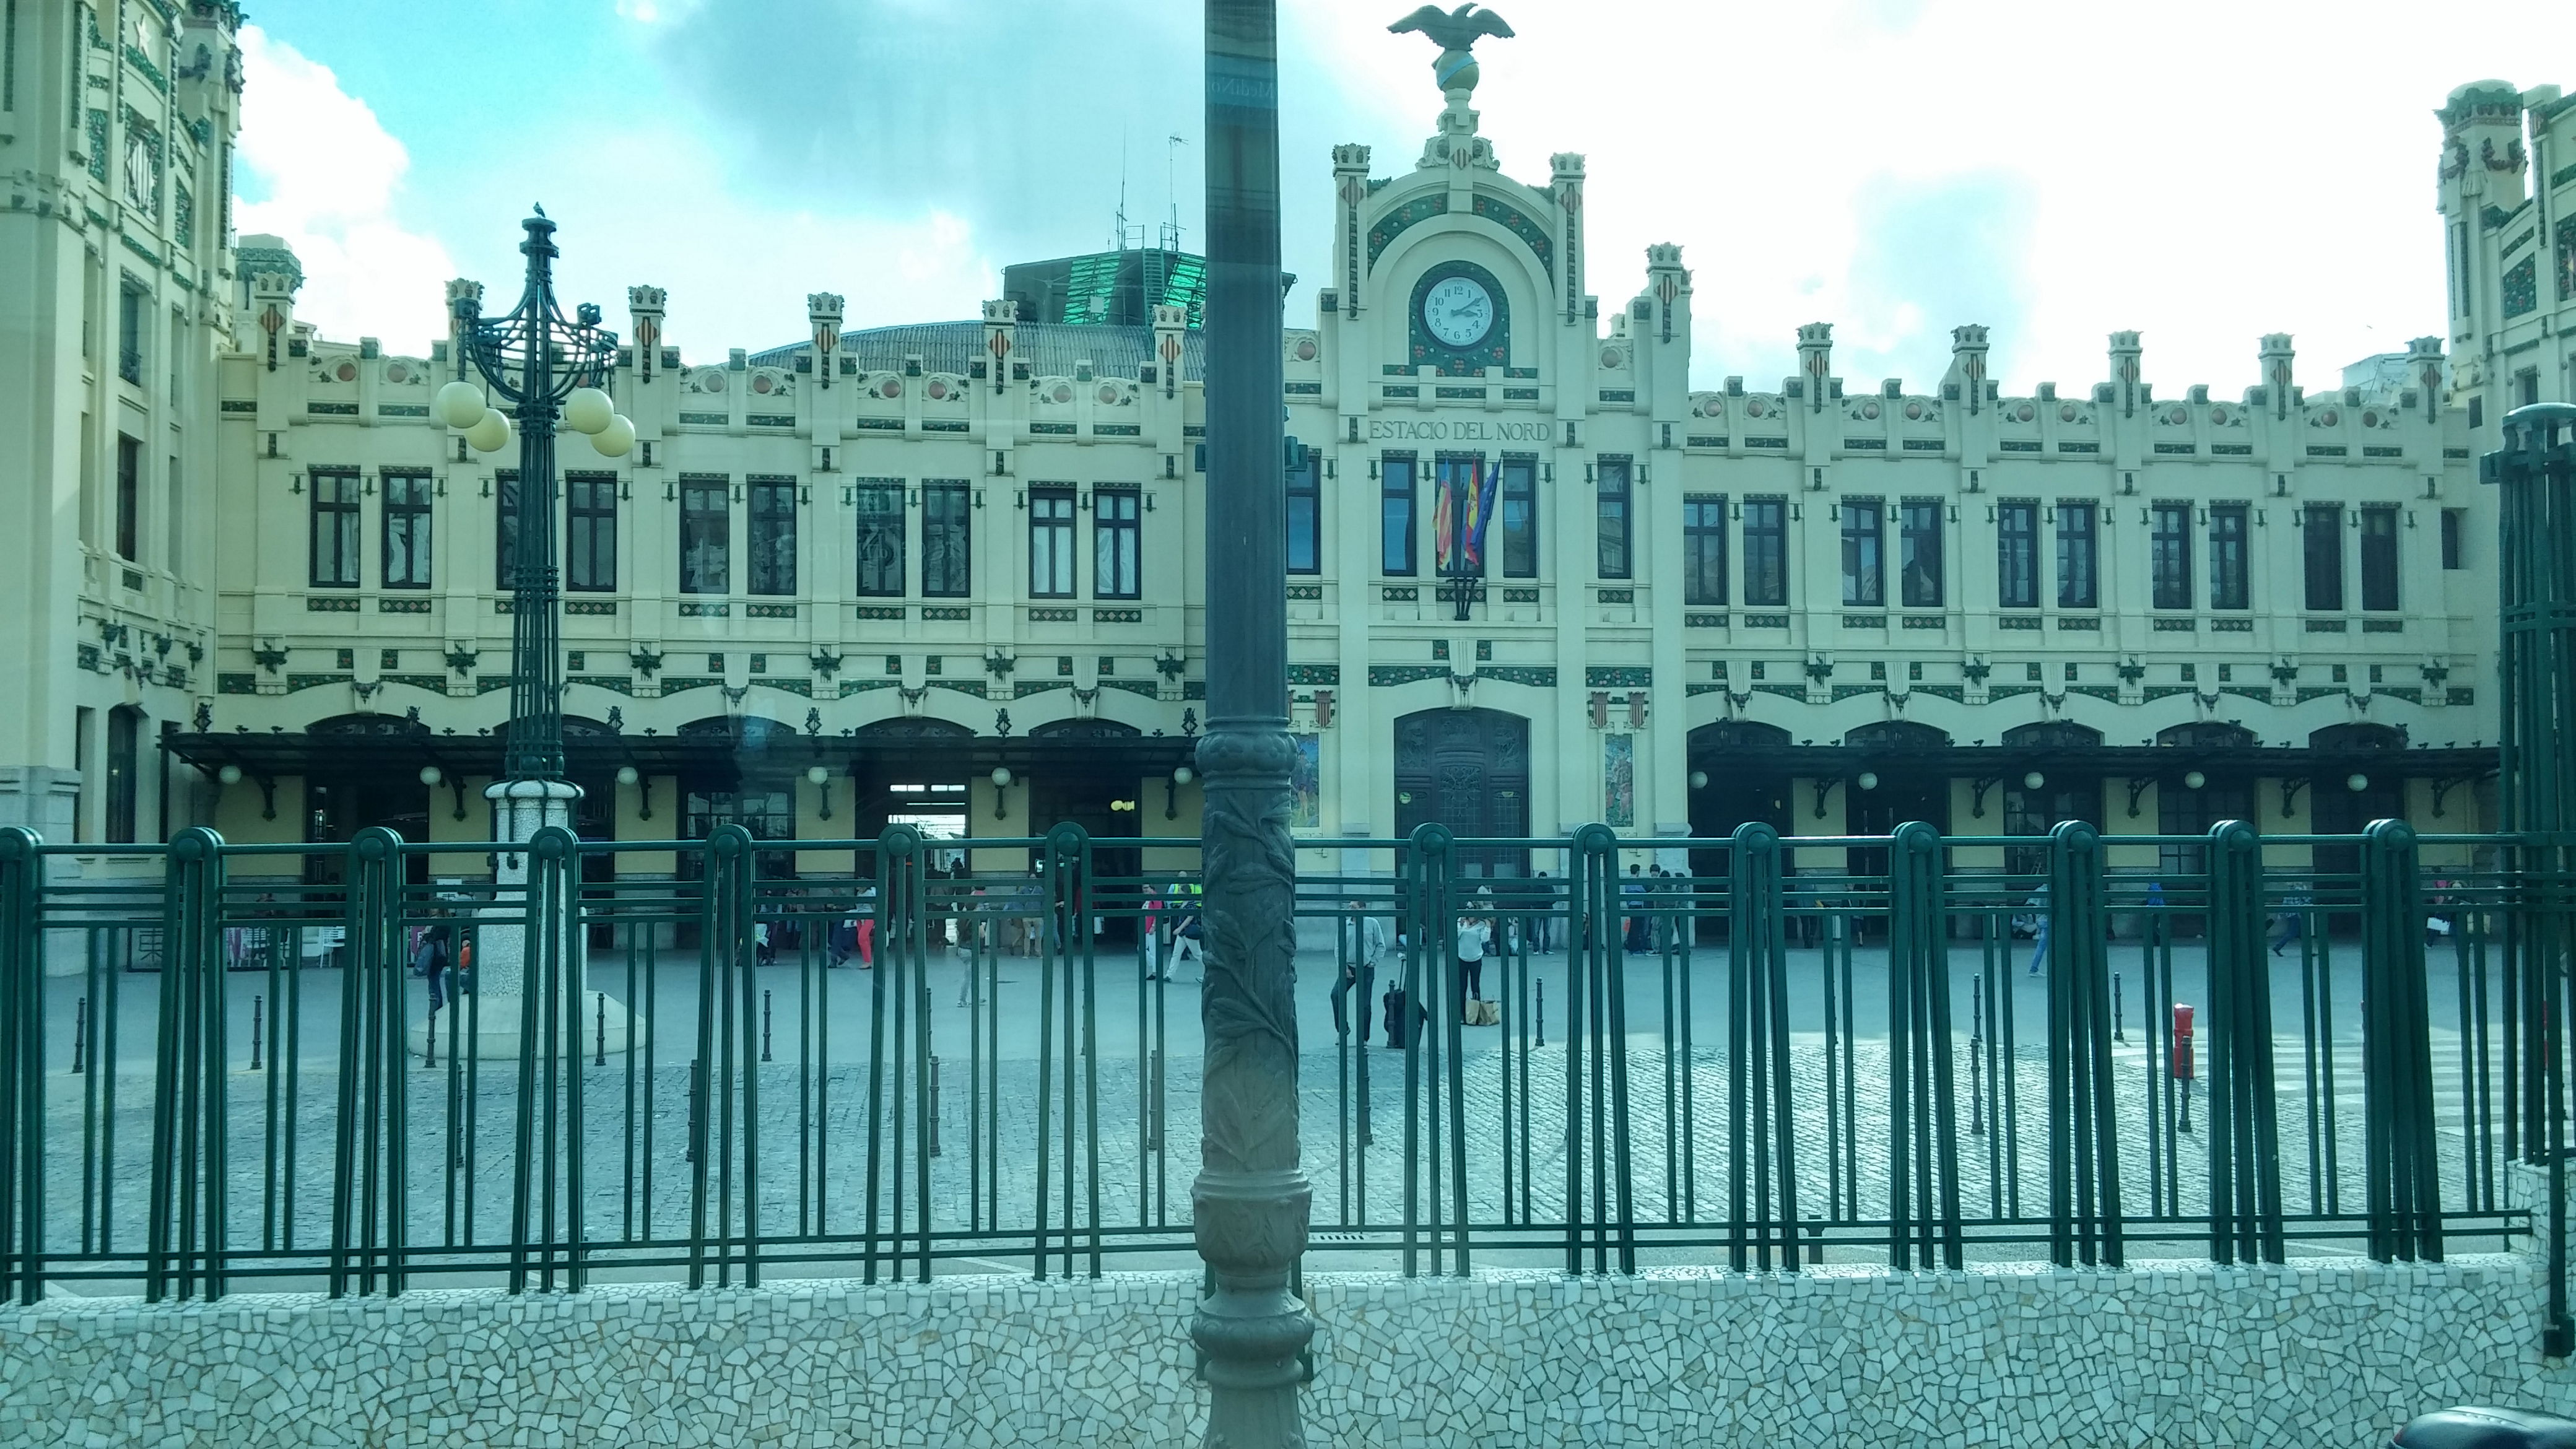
[983,1187]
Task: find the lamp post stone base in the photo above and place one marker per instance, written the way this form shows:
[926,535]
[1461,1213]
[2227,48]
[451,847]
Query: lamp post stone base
[521,808]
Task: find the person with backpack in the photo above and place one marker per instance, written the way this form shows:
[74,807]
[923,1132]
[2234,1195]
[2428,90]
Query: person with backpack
[1475,937]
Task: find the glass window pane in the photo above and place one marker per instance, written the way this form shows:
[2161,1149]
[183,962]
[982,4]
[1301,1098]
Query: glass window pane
[1919,559]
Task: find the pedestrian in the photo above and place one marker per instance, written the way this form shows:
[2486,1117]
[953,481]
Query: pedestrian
[1544,894]
[863,936]
[2039,951]
[1632,902]
[1153,934]
[1188,938]
[1475,934]
[1363,940]
[2289,922]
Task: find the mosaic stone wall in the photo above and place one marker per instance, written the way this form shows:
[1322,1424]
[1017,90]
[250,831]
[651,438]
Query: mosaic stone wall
[2184,1355]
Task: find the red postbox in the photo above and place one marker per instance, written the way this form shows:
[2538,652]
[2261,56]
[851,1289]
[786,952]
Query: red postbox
[2182,1060]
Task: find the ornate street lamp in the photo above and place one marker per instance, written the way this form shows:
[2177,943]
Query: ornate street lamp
[553,370]
[1249,1201]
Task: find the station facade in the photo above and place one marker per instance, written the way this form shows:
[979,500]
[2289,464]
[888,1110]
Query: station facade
[952,573]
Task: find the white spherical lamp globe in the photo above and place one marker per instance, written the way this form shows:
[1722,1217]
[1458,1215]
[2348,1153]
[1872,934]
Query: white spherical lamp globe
[587,410]
[459,404]
[229,774]
[617,439]
[489,434]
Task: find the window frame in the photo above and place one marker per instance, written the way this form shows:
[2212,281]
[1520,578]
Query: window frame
[1399,510]
[131,295]
[128,523]
[505,529]
[2321,558]
[404,528]
[2169,555]
[770,515]
[340,512]
[2017,553]
[1051,543]
[124,769]
[1766,549]
[2454,538]
[1614,517]
[2381,573]
[1920,523]
[2231,577]
[590,532]
[873,524]
[1117,542]
[1516,489]
[940,497]
[1861,524]
[706,501]
[1704,581]
[2079,554]
[1305,512]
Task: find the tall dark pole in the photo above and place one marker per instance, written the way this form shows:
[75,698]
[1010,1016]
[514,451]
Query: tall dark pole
[2536,758]
[534,359]
[1250,1201]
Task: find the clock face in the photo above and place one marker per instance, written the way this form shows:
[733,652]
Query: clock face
[1458,311]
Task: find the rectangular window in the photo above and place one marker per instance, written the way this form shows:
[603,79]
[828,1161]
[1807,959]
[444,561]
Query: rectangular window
[129,498]
[1051,543]
[124,731]
[1398,503]
[1517,518]
[178,348]
[2322,543]
[878,504]
[2452,520]
[129,333]
[1611,503]
[2229,583]
[174,517]
[2379,559]
[1864,526]
[406,530]
[505,530]
[2526,384]
[2017,554]
[773,535]
[2169,556]
[1113,543]
[1305,513]
[706,537]
[590,532]
[1704,550]
[335,528]
[2078,587]
[1766,552]
[947,539]
[1918,560]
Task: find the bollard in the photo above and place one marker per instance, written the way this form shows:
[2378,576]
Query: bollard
[429,1057]
[764,1024]
[934,1106]
[255,1005]
[80,1032]
[1976,1055]
[690,1154]
[1538,1026]
[601,1050]
[2119,1011]
[1815,1240]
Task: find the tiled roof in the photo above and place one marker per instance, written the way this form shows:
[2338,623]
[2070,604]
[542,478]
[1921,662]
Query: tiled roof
[1050,349]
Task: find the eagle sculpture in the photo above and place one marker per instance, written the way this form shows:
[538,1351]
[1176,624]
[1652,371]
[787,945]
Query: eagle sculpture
[1453,29]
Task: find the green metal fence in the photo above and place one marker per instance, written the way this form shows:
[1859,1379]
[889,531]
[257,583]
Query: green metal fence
[221,1068]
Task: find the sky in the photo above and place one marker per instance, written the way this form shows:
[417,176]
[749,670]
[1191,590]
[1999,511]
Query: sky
[2203,173]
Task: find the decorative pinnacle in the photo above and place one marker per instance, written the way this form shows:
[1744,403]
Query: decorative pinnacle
[1456,33]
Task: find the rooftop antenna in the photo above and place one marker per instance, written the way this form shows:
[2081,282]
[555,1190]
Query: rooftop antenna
[1171,187]
[1118,237]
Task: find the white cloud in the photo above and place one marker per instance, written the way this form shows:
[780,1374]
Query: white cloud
[318,169]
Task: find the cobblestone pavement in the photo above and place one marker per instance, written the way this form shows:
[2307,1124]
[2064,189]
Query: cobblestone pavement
[984,1187]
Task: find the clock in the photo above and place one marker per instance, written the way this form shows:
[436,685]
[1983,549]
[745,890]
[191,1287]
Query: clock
[1458,311]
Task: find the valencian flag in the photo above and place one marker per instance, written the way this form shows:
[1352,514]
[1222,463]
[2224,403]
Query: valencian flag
[1461,514]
